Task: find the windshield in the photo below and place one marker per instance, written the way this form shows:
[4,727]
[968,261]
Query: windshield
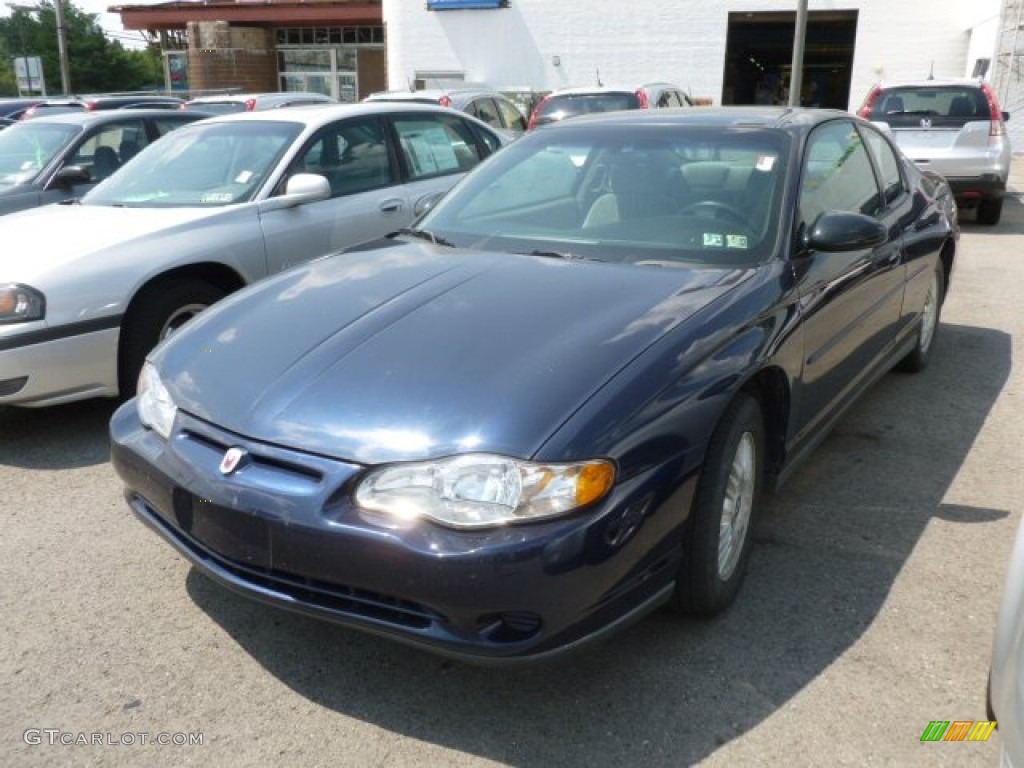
[652,194]
[27,148]
[201,165]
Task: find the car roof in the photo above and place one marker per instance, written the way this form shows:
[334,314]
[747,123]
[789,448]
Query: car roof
[317,114]
[232,97]
[723,117]
[933,82]
[584,90]
[102,116]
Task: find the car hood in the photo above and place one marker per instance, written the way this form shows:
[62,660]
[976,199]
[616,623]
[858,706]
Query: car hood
[56,235]
[413,351]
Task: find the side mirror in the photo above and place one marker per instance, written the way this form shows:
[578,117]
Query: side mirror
[70,175]
[424,204]
[838,231]
[1006,116]
[301,188]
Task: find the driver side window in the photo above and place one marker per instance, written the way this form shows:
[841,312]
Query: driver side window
[837,174]
[352,156]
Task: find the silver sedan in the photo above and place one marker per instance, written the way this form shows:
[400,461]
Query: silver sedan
[93,286]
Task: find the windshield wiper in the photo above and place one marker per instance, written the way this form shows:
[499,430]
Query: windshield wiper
[70,201]
[423,234]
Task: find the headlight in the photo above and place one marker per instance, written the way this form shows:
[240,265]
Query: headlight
[20,304]
[480,490]
[156,409]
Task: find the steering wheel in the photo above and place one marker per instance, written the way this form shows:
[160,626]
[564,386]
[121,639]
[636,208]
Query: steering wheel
[715,208]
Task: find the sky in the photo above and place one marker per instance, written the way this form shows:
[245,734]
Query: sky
[111,22]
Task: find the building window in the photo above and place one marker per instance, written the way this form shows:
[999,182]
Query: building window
[369,35]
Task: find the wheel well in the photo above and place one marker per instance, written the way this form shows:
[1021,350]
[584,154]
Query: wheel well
[946,256]
[771,388]
[223,277]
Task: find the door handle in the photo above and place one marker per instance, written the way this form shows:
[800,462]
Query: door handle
[392,205]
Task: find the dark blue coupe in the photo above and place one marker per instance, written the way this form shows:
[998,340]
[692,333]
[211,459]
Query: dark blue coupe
[552,406]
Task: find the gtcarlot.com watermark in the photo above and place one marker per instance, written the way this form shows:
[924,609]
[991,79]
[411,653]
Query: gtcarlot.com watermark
[57,737]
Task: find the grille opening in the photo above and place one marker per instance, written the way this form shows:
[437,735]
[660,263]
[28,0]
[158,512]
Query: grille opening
[339,598]
[258,457]
[10,386]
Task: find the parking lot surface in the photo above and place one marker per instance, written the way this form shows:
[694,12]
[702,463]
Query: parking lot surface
[867,613]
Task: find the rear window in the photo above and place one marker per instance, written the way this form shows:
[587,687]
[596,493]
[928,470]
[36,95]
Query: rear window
[218,107]
[947,104]
[571,105]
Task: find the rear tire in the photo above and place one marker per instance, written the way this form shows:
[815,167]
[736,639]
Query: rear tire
[917,360]
[719,534]
[990,211]
[156,313]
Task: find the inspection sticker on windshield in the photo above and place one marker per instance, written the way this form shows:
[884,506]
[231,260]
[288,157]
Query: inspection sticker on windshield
[243,177]
[713,240]
[765,163]
[735,241]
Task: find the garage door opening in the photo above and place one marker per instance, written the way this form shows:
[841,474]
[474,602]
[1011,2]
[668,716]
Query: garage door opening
[759,58]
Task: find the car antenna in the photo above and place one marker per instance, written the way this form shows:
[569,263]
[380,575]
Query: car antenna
[597,72]
[931,71]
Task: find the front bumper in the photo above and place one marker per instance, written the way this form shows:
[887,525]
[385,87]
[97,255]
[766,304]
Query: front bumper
[64,369]
[282,529]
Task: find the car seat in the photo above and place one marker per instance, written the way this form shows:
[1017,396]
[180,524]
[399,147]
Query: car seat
[893,104]
[961,106]
[104,163]
[127,150]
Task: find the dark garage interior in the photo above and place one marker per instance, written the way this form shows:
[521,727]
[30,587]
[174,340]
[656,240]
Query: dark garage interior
[759,57]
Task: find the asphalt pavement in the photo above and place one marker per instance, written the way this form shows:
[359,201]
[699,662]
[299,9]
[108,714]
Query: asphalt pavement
[867,613]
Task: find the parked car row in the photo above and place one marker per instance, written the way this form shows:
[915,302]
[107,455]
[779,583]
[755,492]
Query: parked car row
[488,106]
[222,104]
[570,102]
[29,108]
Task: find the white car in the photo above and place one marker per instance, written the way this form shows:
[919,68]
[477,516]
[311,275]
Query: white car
[92,287]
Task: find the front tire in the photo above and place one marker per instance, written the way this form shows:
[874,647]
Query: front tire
[918,358]
[719,537]
[156,313]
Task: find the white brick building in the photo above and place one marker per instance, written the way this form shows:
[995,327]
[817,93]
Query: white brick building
[724,50]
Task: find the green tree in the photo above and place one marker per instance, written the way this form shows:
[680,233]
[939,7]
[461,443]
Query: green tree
[97,65]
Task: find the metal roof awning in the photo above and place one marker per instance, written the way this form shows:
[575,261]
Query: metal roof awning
[264,13]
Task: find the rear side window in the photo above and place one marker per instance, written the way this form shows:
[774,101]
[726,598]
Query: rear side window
[111,146]
[511,117]
[911,104]
[436,145]
[485,110]
[888,164]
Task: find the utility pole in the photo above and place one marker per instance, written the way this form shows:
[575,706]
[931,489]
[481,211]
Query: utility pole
[62,48]
[796,75]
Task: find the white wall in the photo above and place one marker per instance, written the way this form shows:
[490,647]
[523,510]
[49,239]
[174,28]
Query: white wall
[682,41]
